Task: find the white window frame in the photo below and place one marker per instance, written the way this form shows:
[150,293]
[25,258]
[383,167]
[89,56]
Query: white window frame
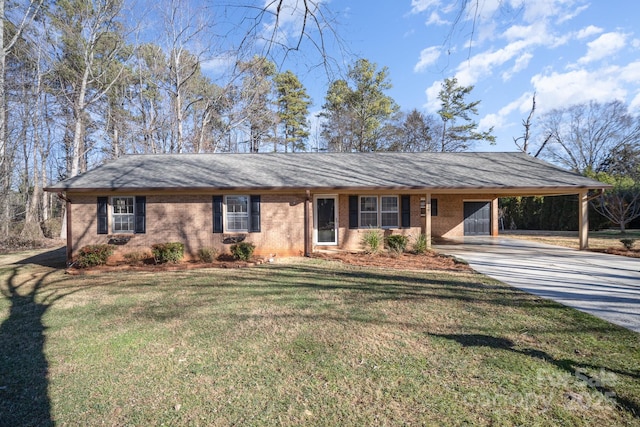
[242,215]
[361,223]
[396,212]
[336,217]
[379,212]
[116,217]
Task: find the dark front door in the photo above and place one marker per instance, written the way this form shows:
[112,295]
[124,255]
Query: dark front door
[477,218]
[326,221]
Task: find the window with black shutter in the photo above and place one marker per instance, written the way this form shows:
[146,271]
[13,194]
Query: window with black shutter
[254,225]
[353,211]
[406,211]
[140,214]
[217,215]
[236,214]
[103,217]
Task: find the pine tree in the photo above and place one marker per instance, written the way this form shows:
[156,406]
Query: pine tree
[293,108]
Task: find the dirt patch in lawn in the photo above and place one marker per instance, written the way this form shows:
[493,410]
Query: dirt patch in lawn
[405,261]
[632,253]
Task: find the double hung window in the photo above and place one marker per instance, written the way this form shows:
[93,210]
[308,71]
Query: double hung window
[378,211]
[237,213]
[123,217]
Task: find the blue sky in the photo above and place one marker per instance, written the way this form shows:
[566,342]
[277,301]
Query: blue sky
[567,51]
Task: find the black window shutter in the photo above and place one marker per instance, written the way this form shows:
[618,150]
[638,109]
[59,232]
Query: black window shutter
[353,211]
[141,215]
[103,218]
[217,214]
[254,226]
[406,211]
[434,207]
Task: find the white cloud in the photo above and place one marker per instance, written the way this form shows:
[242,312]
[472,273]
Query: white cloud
[630,73]
[521,63]
[605,45]
[433,103]
[483,64]
[559,90]
[634,105]
[418,6]
[491,121]
[219,64]
[589,31]
[572,14]
[291,16]
[435,19]
[500,120]
[428,57]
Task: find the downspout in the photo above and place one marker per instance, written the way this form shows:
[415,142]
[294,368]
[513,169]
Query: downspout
[307,243]
[62,196]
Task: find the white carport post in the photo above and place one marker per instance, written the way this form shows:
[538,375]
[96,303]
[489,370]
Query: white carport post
[583,223]
[427,217]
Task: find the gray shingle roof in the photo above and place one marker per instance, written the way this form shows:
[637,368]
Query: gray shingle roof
[434,171]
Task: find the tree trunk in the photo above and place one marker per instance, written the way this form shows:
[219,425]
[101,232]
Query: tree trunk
[5,183]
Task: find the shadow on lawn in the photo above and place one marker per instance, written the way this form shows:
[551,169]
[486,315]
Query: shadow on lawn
[380,284]
[568,365]
[24,398]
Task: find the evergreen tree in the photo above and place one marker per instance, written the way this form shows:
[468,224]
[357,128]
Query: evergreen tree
[454,109]
[362,110]
[293,108]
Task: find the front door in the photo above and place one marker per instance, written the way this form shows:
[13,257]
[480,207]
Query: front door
[477,218]
[326,220]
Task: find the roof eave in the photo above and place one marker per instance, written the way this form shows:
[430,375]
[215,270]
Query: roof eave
[500,190]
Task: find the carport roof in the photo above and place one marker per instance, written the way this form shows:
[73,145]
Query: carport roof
[504,173]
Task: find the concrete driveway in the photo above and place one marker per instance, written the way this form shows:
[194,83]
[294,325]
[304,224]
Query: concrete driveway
[607,286]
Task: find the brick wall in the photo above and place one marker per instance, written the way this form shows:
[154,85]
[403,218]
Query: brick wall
[450,220]
[189,219]
[351,239]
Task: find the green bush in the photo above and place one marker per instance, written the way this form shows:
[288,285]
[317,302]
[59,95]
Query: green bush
[168,252]
[628,243]
[397,243]
[92,255]
[372,240]
[242,251]
[207,254]
[420,245]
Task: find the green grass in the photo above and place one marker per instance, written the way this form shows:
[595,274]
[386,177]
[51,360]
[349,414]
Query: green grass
[307,343]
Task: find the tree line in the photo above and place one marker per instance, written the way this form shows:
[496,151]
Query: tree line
[600,140]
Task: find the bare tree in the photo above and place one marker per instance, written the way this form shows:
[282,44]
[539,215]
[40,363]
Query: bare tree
[621,205]
[90,61]
[16,27]
[582,137]
[522,142]
[281,27]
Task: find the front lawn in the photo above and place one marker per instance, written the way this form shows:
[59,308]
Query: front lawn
[312,342]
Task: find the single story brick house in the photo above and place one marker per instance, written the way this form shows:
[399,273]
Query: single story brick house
[297,203]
